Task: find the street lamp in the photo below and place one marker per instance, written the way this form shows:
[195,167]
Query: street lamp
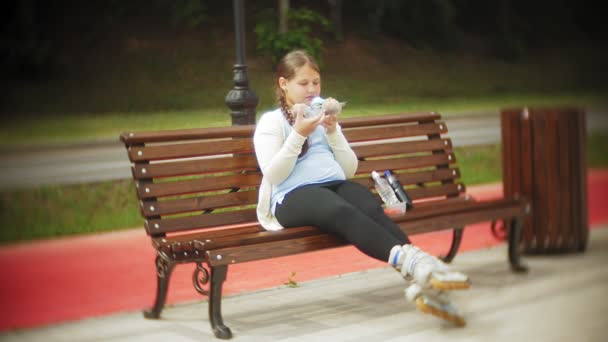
[241,100]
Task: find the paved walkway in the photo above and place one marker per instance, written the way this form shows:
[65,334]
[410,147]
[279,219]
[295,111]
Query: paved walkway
[561,298]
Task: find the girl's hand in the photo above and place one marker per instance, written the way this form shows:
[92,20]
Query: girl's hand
[332,106]
[305,126]
[330,122]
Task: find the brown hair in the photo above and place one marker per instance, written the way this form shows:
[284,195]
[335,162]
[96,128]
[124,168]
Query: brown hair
[287,67]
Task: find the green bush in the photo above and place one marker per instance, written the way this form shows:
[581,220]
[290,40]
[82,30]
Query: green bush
[300,34]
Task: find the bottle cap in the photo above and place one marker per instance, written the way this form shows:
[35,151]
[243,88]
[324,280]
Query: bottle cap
[317,102]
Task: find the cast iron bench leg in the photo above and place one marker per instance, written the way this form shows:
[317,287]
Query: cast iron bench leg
[163,273]
[218,275]
[514,237]
[456,238]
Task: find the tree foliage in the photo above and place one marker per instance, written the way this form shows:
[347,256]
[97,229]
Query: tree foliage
[301,33]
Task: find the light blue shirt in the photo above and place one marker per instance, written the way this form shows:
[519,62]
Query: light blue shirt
[317,165]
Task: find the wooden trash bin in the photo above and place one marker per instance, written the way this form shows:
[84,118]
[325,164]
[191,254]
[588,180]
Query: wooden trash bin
[544,159]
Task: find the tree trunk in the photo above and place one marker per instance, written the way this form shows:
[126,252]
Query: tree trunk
[336,18]
[283,11]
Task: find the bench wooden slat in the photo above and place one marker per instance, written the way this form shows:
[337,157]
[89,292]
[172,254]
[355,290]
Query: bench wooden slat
[389,119]
[166,225]
[207,235]
[229,255]
[142,137]
[436,191]
[389,132]
[192,167]
[417,177]
[448,221]
[262,237]
[255,237]
[367,166]
[195,149]
[408,178]
[393,148]
[189,186]
[250,197]
[200,203]
[230,237]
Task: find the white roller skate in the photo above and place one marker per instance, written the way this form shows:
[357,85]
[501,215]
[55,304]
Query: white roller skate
[434,302]
[429,278]
[426,270]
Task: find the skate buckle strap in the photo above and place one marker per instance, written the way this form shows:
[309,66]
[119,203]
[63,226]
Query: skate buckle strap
[396,258]
[413,263]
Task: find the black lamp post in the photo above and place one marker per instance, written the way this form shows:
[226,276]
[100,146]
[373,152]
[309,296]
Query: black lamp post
[241,100]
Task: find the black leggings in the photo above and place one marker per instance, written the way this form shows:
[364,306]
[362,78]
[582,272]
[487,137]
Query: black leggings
[344,208]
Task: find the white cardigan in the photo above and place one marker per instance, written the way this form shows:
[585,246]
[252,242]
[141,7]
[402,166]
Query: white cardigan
[277,156]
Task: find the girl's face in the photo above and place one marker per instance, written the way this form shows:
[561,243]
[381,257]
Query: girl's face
[303,87]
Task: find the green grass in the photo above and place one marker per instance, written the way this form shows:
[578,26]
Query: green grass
[54,211]
[57,129]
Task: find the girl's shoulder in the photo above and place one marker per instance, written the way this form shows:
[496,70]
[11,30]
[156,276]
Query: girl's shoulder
[272,115]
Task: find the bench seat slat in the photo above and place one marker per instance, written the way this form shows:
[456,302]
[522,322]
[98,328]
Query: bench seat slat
[207,235]
[389,132]
[191,167]
[200,203]
[430,219]
[189,186]
[185,150]
[157,226]
[266,250]
[445,221]
[223,235]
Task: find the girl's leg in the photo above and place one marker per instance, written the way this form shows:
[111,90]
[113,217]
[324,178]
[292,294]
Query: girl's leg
[318,206]
[360,196]
[418,264]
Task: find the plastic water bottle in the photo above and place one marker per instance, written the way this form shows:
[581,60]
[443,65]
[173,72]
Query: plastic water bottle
[384,190]
[398,188]
[316,107]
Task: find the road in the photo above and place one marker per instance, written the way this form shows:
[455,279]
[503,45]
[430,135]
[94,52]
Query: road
[102,161]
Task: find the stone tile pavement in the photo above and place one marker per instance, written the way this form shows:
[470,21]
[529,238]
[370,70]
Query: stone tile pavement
[561,298]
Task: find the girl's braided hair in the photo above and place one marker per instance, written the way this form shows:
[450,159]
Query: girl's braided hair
[287,69]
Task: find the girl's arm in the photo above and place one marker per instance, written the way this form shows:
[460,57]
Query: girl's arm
[345,156]
[275,156]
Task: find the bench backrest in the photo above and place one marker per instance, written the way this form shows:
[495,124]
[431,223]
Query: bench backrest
[205,178]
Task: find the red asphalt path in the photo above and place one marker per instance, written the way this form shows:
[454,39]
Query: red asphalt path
[52,281]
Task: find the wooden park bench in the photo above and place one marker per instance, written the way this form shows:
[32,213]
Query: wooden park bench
[198,191]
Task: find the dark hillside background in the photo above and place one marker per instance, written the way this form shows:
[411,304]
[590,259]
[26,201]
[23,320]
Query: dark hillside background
[73,57]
